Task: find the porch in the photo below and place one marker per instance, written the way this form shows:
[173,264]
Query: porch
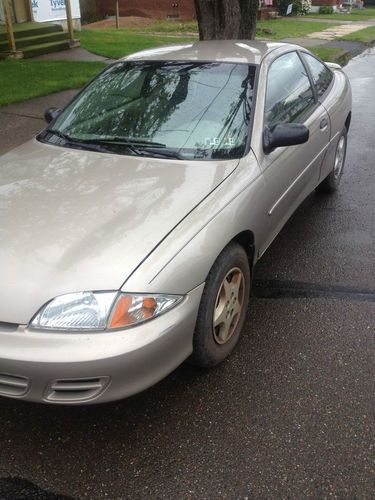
[33,39]
[22,37]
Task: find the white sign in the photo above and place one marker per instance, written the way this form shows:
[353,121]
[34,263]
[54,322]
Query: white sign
[289,9]
[53,10]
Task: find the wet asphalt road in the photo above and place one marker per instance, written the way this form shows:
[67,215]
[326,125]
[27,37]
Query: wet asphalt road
[291,414]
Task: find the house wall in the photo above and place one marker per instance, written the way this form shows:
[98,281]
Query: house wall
[316,4]
[159,9]
[89,10]
[331,3]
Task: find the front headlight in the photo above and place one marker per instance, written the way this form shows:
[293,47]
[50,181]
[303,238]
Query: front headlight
[101,310]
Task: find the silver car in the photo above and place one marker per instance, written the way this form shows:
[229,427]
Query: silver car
[131,225]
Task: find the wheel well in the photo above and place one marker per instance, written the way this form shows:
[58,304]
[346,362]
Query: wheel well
[247,241]
[348,120]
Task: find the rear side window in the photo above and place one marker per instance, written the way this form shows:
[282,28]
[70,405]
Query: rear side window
[322,76]
[289,95]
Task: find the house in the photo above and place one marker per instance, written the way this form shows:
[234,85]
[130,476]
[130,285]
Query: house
[316,4]
[165,9]
[33,27]
[158,9]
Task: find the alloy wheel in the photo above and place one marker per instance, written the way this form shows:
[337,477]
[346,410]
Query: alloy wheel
[228,305]
[339,158]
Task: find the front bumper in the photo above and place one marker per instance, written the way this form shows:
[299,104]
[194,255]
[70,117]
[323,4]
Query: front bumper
[76,368]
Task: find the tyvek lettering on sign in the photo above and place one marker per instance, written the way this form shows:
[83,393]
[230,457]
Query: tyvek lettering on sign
[50,10]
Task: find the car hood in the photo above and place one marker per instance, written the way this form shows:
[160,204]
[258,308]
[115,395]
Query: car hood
[73,220]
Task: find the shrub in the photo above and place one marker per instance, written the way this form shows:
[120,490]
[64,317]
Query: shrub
[300,7]
[325,9]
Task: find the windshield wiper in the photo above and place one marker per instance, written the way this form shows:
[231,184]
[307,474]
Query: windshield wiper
[59,134]
[139,147]
[123,141]
[160,153]
[69,141]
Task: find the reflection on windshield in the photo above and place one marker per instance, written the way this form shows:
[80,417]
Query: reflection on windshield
[189,109]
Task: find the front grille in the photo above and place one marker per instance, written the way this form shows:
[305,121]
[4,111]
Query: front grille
[75,390]
[13,385]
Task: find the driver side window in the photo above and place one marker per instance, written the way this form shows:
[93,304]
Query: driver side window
[289,96]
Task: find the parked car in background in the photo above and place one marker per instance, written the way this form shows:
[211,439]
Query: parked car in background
[131,225]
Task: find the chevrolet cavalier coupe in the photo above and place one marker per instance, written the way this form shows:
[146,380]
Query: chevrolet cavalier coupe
[130,226]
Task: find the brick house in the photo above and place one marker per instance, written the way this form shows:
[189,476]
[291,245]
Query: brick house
[162,9]
[316,4]
[159,9]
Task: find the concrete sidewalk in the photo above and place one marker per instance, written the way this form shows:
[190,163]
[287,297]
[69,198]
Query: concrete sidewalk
[76,54]
[22,121]
[339,31]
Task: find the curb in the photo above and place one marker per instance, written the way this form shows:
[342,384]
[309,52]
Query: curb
[344,57]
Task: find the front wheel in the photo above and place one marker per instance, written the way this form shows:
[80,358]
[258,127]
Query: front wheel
[223,307]
[332,181]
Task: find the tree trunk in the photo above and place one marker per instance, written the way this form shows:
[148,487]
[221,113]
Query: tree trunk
[226,19]
[218,19]
[249,11]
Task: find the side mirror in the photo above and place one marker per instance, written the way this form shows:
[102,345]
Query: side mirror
[51,113]
[284,134]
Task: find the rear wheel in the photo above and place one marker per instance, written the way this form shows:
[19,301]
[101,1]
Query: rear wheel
[332,181]
[223,307]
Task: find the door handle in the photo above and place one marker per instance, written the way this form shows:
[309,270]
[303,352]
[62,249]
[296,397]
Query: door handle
[323,124]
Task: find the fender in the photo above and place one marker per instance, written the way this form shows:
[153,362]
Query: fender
[226,213]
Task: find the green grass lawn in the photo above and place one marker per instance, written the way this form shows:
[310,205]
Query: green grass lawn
[366,35]
[119,43]
[280,28]
[329,54]
[21,80]
[171,27]
[325,53]
[356,15]
[288,28]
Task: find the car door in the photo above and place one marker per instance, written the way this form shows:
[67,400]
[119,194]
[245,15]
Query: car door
[292,172]
[323,80]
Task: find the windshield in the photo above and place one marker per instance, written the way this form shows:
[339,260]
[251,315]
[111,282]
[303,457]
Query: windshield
[192,110]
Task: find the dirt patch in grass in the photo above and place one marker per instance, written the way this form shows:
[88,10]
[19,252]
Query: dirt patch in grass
[125,22]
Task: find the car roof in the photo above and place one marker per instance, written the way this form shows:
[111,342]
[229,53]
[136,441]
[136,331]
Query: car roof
[239,51]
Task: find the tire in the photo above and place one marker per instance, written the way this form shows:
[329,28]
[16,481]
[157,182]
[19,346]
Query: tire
[331,183]
[226,296]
